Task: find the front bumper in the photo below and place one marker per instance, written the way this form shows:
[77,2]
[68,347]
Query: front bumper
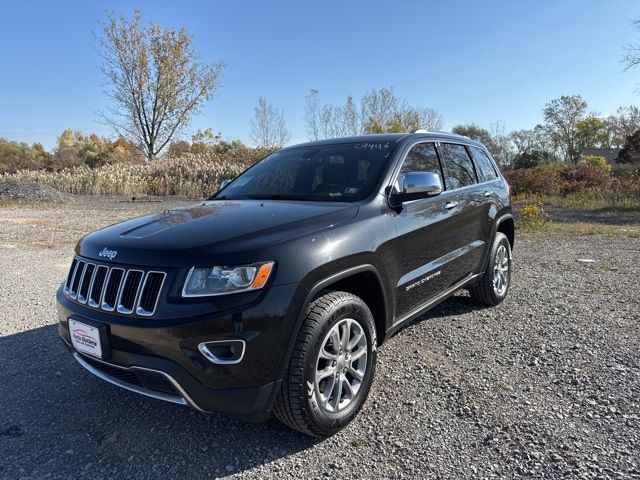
[161,359]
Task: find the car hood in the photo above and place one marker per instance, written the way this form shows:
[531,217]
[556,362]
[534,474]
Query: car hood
[213,232]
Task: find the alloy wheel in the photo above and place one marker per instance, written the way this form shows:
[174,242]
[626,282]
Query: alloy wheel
[341,365]
[501,270]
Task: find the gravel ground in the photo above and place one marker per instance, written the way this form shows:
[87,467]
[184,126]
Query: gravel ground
[545,385]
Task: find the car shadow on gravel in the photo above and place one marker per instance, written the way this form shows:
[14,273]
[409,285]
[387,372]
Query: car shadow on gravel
[56,418]
[459,304]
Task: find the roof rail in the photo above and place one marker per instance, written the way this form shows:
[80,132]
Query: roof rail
[422,130]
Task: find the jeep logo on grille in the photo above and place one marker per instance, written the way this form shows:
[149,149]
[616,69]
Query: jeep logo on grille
[110,254]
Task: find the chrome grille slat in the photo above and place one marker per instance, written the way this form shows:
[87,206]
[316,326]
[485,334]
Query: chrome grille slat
[77,277]
[96,298]
[108,286]
[72,272]
[124,290]
[114,288]
[140,310]
[82,292]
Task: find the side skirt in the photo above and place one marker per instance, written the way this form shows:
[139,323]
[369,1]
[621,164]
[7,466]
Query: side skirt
[416,312]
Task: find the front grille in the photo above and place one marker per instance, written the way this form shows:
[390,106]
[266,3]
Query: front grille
[114,288]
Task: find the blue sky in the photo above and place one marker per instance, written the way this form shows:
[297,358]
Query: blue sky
[473,61]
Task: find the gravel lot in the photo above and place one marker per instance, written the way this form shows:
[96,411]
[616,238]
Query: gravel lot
[545,385]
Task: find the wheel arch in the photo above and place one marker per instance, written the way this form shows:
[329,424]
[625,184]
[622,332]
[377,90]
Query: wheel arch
[505,224]
[363,281]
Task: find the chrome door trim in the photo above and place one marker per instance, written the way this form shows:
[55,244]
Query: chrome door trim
[425,306]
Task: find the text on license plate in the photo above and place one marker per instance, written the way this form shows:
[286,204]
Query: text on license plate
[85,338]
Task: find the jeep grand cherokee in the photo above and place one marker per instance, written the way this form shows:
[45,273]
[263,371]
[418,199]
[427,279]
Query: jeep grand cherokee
[274,295]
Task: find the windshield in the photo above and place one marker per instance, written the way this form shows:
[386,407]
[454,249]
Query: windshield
[345,172]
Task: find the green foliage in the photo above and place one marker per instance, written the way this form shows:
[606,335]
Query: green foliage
[592,132]
[561,116]
[531,159]
[19,155]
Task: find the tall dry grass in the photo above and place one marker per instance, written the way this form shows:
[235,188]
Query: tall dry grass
[188,175]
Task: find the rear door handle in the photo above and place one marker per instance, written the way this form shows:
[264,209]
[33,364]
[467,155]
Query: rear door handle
[450,205]
[488,193]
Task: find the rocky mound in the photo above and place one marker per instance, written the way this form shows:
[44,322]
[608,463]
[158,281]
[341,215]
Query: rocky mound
[31,192]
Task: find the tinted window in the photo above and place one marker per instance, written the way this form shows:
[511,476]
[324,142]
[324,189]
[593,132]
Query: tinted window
[344,172]
[484,165]
[422,158]
[458,168]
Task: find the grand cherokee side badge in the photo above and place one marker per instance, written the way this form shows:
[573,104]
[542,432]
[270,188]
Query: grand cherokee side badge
[110,254]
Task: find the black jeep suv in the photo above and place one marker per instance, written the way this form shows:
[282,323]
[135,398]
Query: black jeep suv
[275,294]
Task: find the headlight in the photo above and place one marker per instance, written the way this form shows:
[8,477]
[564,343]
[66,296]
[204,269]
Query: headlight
[222,280]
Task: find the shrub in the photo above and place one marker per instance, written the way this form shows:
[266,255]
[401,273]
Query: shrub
[552,179]
[513,178]
[533,217]
[596,161]
[626,181]
[594,181]
[544,179]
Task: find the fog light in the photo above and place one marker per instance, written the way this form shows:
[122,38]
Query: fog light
[223,352]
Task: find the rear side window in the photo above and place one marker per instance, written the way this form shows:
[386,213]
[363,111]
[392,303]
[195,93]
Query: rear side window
[458,168]
[422,158]
[484,165]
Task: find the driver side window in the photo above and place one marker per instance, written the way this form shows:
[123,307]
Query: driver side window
[421,158]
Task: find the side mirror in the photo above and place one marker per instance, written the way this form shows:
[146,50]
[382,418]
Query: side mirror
[224,183]
[416,185]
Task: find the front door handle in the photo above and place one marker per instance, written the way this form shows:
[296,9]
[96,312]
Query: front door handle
[450,205]
[488,193]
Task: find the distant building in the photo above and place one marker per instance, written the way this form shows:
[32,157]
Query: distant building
[611,154]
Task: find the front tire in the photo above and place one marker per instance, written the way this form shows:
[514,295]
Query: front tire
[331,368]
[493,286]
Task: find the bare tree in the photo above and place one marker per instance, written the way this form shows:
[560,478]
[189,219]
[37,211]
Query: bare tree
[379,111]
[339,121]
[504,147]
[155,80]
[430,119]
[622,124]
[329,122]
[312,114]
[631,57]
[379,108]
[350,117]
[268,126]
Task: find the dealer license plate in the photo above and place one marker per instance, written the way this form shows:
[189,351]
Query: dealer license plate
[85,338]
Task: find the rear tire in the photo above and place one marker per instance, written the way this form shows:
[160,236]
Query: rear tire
[493,286]
[331,368]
